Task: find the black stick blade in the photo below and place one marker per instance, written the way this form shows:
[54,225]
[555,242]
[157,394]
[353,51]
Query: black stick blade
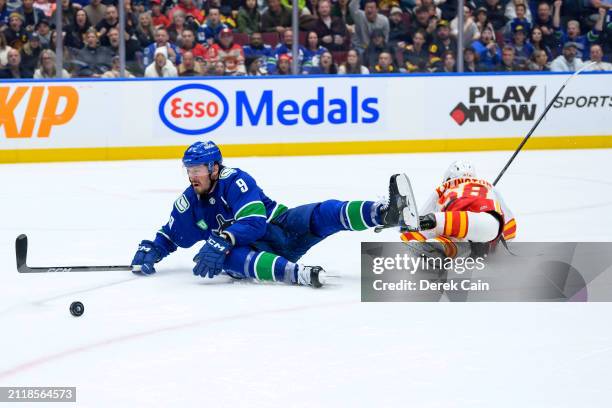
[21,252]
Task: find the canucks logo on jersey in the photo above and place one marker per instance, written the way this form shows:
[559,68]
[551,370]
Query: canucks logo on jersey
[226,172]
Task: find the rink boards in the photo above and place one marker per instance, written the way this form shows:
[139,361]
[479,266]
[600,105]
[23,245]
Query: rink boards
[66,120]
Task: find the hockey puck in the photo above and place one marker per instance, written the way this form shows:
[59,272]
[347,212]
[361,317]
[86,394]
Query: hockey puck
[77,309]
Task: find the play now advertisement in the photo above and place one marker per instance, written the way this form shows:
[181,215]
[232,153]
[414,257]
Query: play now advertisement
[518,272]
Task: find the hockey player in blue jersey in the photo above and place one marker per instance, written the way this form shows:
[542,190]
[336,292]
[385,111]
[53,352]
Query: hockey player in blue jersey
[247,234]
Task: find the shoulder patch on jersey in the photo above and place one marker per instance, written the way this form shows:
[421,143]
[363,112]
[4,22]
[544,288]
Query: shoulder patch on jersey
[181,204]
[226,172]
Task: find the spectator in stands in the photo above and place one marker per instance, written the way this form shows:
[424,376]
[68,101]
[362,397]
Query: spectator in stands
[512,12]
[399,34]
[443,41]
[45,6]
[470,29]
[131,18]
[189,44]
[597,57]
[375,47]
[572,34]
[283,65]
[4,14]
[519,20]
[312,52]
[95,11]
[326,65]
[226,48]
[254,67]
[188,8]
[539,61]
[366,21]
[256,49]
[131,45]
[209,32]
[4,49]
[425,22]
[178,26]
[228,10]
[13,69]
[416,55]
[341,10]
[536,41]
[189,67]
[331,30]
[482,19]
[432,8]
[161,67]
[218,69]
[507,61]
[30,53]
[46,66]
[277,18]
[31,15]
[15,33]
[92,59]
[115,71]
[75,33]
[544,20]
[285,47]
[68,11]
[449,63]
[157,16]
[522,49]
[385,64]
[162,41]
[567,61]
[233,67]
[144,30]
[311,5]
[489,53]
[353,65]
[67,53]
[495,13]
[470,60]
[110,20]
[44,32]
[249,18]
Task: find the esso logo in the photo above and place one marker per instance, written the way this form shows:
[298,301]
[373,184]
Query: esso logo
[193,109]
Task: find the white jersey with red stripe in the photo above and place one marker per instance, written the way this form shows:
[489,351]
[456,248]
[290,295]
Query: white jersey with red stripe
[474,195]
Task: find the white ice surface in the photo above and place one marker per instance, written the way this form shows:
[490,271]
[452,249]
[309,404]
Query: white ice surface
[176,340]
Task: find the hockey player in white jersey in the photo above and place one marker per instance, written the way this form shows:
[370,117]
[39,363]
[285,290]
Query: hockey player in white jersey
[464,208]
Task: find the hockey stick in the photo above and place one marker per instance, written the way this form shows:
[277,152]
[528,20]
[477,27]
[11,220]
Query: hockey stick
[550,104]
[21,251]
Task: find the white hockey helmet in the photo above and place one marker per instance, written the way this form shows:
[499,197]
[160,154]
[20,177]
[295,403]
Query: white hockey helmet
[459,168]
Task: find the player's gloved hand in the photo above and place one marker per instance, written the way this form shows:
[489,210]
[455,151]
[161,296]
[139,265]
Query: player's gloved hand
[427,222]
[209,261]
[147,255]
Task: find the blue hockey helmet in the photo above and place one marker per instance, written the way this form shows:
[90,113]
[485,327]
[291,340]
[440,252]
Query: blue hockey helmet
[207,153]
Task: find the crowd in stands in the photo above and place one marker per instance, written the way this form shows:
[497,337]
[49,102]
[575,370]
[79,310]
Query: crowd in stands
[168,38]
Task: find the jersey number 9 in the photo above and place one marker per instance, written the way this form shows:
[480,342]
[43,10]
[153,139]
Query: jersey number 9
[242,185]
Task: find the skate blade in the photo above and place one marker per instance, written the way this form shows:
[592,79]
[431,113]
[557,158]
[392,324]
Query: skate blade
[410,213]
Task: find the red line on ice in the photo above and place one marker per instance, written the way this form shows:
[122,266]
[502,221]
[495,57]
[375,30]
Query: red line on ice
[51,357]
